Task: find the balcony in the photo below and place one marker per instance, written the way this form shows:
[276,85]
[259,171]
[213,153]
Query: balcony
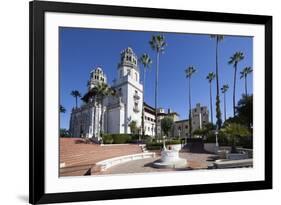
[136,96]
[136,109]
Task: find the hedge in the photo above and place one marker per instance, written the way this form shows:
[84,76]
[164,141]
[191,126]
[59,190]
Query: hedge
[116,138]
[223,140]
[159,145]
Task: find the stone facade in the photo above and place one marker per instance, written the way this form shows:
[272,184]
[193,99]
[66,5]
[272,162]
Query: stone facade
[199,116]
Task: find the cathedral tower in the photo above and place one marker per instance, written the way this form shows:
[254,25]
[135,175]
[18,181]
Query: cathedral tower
[129,88]
[97,76]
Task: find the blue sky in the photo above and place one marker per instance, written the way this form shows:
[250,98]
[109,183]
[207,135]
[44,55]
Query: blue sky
[82,49]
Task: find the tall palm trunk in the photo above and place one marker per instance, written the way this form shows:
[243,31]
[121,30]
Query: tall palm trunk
[142,122]
[156,93]
[189,99]
[224,106]
[246,92]
[95,111]
[234,89]
[76,101]
[101,118]
[211,103]
[218,110]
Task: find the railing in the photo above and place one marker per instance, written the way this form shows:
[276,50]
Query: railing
[136,96]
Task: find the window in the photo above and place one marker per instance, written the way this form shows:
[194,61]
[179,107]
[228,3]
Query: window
[186,127]
[136,76]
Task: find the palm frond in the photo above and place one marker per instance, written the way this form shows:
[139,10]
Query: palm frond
[211,76]
[190,71]
[224,88]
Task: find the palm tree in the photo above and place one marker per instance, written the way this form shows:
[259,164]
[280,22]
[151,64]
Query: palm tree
[218,38]
[75,94]
[244,73]
[224,90]
[235,59]
[62,109]
[97,95]
[102,90]
[189,72]
[145,60]
[157,44]
[210,77]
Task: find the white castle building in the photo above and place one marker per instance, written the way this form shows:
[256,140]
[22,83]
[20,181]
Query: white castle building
[120,110]
[124,107]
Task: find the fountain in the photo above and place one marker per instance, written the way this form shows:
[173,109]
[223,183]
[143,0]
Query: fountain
[170,159]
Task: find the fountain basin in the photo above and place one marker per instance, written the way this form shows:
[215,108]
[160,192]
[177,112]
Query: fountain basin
[170,159]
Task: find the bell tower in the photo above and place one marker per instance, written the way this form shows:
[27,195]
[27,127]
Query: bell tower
[128,65]
[97,76]
[129,88]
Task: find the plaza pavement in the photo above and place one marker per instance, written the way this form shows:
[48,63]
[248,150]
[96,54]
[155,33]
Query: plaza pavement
[79,159]
[195,161]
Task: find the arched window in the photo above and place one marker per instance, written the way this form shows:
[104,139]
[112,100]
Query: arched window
[136,76]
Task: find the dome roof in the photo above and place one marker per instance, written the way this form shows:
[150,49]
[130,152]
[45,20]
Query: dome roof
[128,50]
[97,70]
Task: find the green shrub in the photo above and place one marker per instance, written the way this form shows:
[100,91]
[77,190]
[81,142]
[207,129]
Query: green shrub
[126,138]
[121,138]
[172,142]
[154,145]
[116,138]
[64,133]
[246,142]
[159,145]
[107,139]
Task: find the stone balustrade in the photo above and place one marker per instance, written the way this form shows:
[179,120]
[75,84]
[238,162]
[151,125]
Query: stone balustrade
[105,164]
[223,164]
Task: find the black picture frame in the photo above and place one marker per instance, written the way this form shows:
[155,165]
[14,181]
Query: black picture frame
[37,194]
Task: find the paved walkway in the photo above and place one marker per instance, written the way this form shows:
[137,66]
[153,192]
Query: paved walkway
[195,161]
